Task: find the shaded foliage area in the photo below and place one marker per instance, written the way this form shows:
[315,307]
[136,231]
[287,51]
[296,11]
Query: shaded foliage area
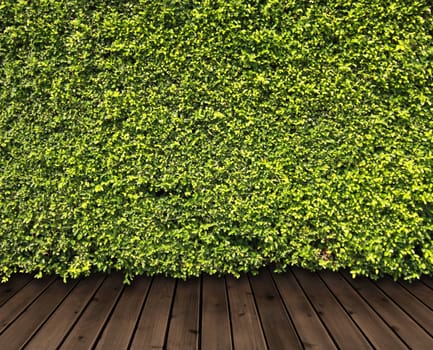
[182,137]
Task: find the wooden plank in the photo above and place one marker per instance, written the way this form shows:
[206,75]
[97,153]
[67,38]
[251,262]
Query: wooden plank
[21,300]
[407,329]
[215,326]
[184,327]
[421,291]
[415,308]
[46,314]
[374,328]
[344,331]
[120,327]
[307,323]
[52,333]
[16,282]
[19,332]
[246,327]
[277,326]
[153,324]
[90,324]
[428,281]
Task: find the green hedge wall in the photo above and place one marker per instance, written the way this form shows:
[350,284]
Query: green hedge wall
[187,136]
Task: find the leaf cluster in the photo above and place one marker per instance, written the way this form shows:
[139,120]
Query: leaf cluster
[182,137]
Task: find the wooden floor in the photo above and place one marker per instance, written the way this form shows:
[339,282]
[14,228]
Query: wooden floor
[294,310]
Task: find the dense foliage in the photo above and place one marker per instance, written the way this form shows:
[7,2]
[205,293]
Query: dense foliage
[218,136]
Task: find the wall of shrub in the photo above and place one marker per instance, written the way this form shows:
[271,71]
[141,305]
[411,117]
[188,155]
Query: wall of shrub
[187,136]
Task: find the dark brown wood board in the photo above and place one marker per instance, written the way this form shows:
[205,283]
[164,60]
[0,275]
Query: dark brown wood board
[311,331]
[215,323]
[54,330]
[246,325]
[400,322]
[296,309]
[152,326]
[344,331]
[184,327]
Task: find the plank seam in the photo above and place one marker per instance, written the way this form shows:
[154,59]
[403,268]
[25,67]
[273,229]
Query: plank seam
[314,308]
[257,312]
[65,336]
[404,311]
[107,318]
[346,312]
[141,312]
[308,301]
[229,313]
[428,283]
[284,307]
[377,313]
[15,292]
[27,306]
[41,324]
[414,295]
[170,314]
